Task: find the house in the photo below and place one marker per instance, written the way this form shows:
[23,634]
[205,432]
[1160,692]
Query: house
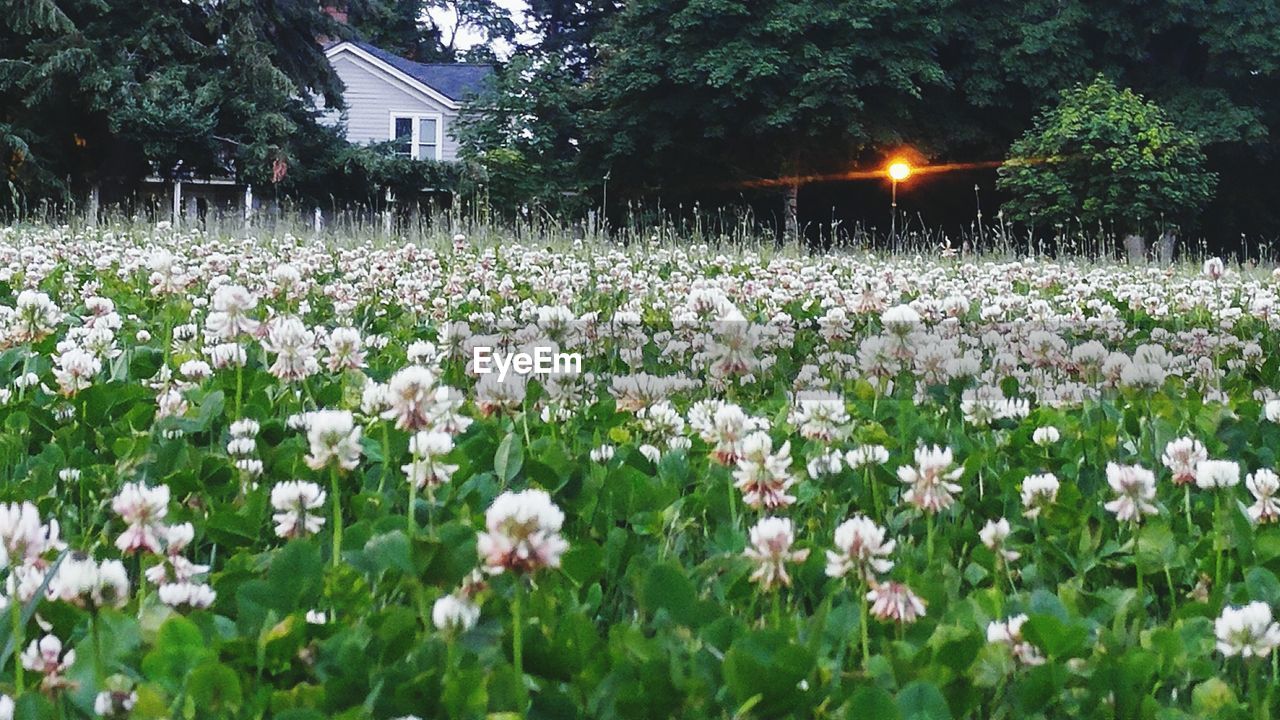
[414,104]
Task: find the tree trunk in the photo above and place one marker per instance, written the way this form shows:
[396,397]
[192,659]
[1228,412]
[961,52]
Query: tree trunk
[1136,249]
[790,203]
[1168,241]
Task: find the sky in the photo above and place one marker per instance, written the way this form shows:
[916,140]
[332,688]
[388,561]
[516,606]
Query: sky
[468,38]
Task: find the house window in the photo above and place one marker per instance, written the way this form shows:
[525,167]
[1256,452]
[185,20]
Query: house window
[417,136]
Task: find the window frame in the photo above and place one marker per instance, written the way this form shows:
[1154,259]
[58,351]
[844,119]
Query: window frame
[416,141]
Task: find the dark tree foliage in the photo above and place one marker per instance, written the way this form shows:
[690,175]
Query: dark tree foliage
[714,91]
[94,92]
[429,30]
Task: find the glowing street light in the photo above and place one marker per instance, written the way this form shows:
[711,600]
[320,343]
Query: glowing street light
[898,171]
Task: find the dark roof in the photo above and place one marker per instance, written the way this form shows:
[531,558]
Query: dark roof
[453,80]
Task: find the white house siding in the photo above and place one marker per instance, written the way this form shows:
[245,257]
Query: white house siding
[372,97]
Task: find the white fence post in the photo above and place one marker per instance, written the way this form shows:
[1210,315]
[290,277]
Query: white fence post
[248,206]
[177,203]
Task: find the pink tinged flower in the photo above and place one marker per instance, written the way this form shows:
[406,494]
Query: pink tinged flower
[294,347]
[861,549]
[144,509]
[1135,487]
[1009,632]
[1246,631]
[24,538]
[297,503]
[345,350]
[522,533]
[895,602]
[993,536]
[770,549]
[410,396]
[1181,457]
[334,439]
[763,476]
[45,656]
[931,480]
[1263,484]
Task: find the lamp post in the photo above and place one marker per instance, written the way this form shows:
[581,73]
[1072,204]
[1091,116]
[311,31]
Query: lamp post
[898,171]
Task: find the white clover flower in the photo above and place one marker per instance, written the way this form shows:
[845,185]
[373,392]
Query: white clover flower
[24,537]
[895,602]
[75,369]
[410,398]
[1212,474]
[229,319]
[345,350]
[144,509]
[1009,632]
[763,476]
[522,533]
[861,549]
[295,501]
[451,612]
[294,347]
[1038,493]
[865,455]
[770,549]
[1214,268]
[993,536]
[1045,436]
[187,595]
[334,439]
[45,656]
[1246,631]
[603,453]
[1271,411]
[932,480]
[1136,488]
[427,468]
[114,703]
[1182,457]
[1263,484]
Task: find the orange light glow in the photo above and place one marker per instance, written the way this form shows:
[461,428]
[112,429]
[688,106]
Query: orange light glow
[899,171]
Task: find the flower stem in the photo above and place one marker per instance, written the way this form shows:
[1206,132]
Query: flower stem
[15,612]
[517,631]
[337,516]
[866,643]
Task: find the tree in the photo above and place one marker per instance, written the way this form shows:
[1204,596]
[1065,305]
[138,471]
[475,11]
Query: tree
[725,92]
[429,30]
[1105,156]
[92,92]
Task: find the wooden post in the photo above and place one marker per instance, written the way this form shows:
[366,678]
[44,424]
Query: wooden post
[386,213]
[248,206]
[177,203]
[317,221]
[91,212]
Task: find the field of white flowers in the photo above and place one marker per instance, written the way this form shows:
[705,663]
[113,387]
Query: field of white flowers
[259,477]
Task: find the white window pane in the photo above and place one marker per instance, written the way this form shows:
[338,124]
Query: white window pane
[427,130]
[427,151]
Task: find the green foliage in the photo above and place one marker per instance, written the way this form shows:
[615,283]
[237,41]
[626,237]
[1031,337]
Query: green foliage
[1102,156]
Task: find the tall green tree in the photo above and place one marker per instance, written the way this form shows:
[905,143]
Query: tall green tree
[1106,157]
[431,30]
[725,91]
[94,92]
